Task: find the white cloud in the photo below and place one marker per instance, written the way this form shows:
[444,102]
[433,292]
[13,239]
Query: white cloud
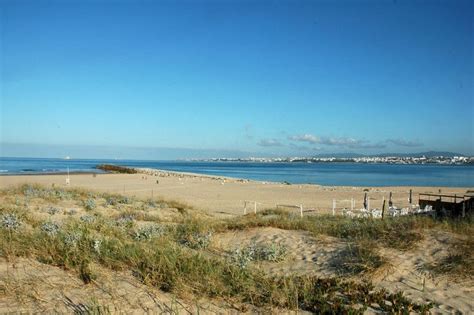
[347,142]
[269,143]
[305,138]
[405,143]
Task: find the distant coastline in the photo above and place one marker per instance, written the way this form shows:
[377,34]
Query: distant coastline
[408,160]
[319,173]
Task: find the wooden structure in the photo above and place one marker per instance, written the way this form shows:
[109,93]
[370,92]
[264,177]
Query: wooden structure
[449,205]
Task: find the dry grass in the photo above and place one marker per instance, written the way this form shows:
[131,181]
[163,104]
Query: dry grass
[459,263]
[176,258]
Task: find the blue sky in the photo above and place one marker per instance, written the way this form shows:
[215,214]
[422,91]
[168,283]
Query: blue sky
[236,77]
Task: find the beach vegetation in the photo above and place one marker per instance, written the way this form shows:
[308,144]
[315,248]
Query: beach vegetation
[458,263]
[178,256]
[52,210]
[356,259]
[149,232]
[274,252]
[399,233]
[10,221]
[89,204]
[50,228]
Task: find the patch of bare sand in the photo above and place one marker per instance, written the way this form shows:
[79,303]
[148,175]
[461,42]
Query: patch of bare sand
[305,254]
[407,272]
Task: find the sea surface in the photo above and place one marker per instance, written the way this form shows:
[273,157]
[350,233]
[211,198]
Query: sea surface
[332,174]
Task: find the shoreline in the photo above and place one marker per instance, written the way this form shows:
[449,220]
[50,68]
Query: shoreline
[52,173]
[179,174]
[217,177]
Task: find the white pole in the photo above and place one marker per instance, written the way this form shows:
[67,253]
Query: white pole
[368,203]
[334,207]
[68,180]
[352,204]
[301,210]
[245,207]
[255,207]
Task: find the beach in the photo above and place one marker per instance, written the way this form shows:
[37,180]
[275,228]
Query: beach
[394,255]
[225,196]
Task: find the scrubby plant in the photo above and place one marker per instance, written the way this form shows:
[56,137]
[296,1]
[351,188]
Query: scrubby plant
[163,205]
[37,191]
[197,240]
[148,232]
[10,221]
[194,233]
[241,257]
[125,200]
[273,252]
[30,191]
[357,259]
[62,194]
[458,263]
[87,218]
[52,210]
[50,228]
[72,238]
[151,203]
[125,221]
[89,204]
[254,252]
[96,245]
[111,201]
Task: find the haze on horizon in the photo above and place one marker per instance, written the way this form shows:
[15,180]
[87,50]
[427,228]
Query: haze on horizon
[186,79]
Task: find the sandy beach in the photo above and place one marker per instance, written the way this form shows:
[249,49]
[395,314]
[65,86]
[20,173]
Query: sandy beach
[223,196]
[307,252]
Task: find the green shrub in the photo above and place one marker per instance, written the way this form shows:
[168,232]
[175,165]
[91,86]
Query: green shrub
[89,204]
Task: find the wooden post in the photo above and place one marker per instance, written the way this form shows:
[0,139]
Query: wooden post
[365,201]
[383,208]
[301,210]
[390,202]
[410,198]
[454,205]
[463,207]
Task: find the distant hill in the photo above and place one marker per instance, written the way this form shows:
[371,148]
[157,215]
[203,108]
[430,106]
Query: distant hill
[340,155]
[427,154]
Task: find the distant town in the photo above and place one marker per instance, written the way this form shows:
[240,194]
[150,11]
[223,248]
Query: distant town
[445,160]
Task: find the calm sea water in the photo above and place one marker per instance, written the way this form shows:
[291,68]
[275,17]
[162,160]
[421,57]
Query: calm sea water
[334,174]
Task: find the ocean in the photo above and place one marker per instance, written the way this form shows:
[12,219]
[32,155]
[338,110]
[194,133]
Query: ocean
[330,174]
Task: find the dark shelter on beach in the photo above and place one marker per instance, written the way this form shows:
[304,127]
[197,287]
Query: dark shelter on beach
[445,205]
